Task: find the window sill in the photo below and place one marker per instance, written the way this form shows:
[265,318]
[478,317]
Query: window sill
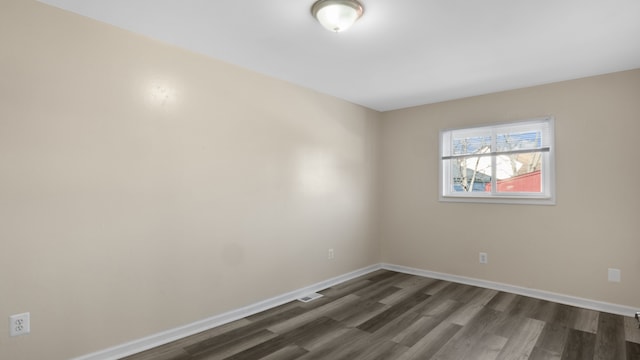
[499,200]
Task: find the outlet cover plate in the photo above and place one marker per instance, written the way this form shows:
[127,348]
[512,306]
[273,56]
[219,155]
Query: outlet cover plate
[20,324]
[614,275]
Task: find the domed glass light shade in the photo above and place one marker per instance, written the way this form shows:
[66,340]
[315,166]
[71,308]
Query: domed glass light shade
[337,15]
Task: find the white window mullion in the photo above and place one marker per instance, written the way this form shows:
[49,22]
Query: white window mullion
[494,163]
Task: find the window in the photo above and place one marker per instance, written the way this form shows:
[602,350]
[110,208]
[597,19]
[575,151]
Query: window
[502,163]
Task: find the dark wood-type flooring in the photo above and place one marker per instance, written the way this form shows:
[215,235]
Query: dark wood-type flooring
[389,315]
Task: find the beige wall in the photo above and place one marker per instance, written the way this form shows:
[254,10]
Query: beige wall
[145,187]
[124,213]
[565,248]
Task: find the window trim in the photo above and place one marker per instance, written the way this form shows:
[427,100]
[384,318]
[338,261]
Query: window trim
[548,173]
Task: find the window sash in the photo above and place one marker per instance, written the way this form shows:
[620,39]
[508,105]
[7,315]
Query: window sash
[531,136]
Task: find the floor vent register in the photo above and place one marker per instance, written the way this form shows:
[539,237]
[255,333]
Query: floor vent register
[310,297]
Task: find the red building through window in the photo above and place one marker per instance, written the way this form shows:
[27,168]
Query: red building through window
[529,182]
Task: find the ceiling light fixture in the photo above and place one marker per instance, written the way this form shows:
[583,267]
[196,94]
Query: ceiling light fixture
[337,15]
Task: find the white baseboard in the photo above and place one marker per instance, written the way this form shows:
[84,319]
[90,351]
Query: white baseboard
[168,336]
[534,293]
[136,346]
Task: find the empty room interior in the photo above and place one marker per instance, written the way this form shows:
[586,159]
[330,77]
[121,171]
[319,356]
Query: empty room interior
[170,167]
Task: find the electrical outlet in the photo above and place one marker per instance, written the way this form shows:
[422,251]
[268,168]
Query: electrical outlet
[484,258]
[330,254]
[19,324]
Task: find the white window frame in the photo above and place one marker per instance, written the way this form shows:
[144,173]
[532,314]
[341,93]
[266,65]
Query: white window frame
[546,197]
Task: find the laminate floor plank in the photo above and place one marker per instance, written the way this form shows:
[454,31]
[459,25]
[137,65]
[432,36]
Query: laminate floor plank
[344,289]
[411,281]
[470,293]
[448,291]
[299,336]
[393,327]
[419,329]
[506,325]
[489,347]
[522,341]
[587,320]
[442,310]
[404,292]
[432,304]
[348,346]
[580,345]
[633,351]
[383,274]
[235,336]
[263,349]
[164,354]
[443,294]
[610,343]
[460,345]
[381,350]
[325,310]
[565,315]
[290,352]
[393,312]
[387,315]
[397,279]
[274,315]
[553,338]
[329,341]
[524,306]
[474,305]
[382,288]
[230,348]
[315,332]
[543,354]
[631,330]
[431,343]
[362,314]
[369,300]
[175,350]
[416,331]
[546,311]
[502,301]
[436,286]
[377,292]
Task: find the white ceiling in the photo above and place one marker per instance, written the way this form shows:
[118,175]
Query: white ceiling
[402,52]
